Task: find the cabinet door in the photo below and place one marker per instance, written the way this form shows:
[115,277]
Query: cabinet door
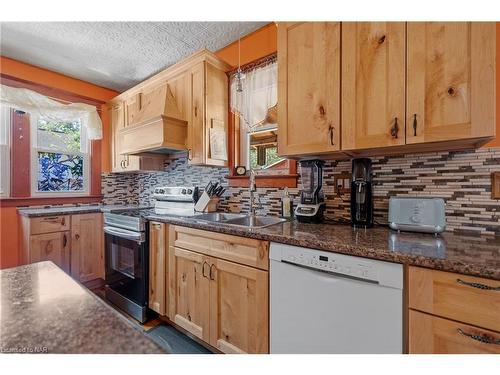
[308,87]
[216,115]
[158,268]
[430,334]
[196,126]
[451,81]
[373,84]
[239,311]
[51,246]
[189,291]
[87,250]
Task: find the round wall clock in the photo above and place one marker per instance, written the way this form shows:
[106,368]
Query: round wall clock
[240,170]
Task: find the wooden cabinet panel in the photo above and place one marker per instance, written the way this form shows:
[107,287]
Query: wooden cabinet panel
[87,247]
[216,113]
[308,87]
[451,81]
[51,246]
[133,106]
[242,250]
[455,296]
[48,224]
[373,84]
[196,127]
[430,334]
[239,311]
[189,291]
[158,298]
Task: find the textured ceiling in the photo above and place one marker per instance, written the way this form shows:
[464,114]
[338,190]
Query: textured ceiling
[116,55]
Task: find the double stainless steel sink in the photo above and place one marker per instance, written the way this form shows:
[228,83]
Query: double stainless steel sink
[243,221]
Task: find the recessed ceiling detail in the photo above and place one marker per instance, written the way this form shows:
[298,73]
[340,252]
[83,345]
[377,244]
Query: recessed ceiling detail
[117,55]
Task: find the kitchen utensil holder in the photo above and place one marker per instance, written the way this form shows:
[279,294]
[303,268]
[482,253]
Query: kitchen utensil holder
[206,203]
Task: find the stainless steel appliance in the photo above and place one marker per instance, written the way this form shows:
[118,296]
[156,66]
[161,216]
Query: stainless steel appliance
[127,261]
[175,200]
[361,193]
[417,214]
[326,303]
[312,201]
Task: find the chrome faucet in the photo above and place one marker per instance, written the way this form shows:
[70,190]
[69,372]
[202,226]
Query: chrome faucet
[252,188]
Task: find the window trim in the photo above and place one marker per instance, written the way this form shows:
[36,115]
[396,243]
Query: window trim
[34,150]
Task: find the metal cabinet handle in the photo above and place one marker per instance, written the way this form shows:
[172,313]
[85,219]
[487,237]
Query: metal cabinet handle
[395,128]
[203,269]
[127,161]
[52,219]
[189,154]
[330,131]
[478,285]
[122,163]
[65,240]
[414,124]
[77,236]
[481,338]
[212,275]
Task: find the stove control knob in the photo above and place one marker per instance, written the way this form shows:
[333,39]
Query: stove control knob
[189,191]
[183,191]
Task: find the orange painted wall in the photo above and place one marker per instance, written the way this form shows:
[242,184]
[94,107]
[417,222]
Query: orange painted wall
[9,242]
[257,44]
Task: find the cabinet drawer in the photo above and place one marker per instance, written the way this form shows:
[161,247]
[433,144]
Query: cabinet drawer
[431,334]
[455,296]
[48,224]
[241,250]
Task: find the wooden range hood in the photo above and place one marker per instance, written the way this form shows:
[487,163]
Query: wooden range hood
[154,123]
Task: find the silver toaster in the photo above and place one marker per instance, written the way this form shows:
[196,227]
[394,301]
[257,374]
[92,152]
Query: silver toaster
[417,214]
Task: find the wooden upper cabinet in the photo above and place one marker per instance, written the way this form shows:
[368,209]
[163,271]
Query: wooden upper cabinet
[87,247]
[196,127]
[451,81]
[239,308]
[308,87]
[373,84]
[209,115]
[133,106]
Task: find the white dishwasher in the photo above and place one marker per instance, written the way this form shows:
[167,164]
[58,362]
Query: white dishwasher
[323,302]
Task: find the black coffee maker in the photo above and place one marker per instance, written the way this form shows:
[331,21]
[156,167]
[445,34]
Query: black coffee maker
[312,200]
[361,193]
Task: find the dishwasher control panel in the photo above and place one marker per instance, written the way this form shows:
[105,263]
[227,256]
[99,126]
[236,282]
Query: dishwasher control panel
[330,262]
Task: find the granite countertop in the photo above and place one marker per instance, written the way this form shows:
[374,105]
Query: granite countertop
[76,209]
[467,254]
[44,310]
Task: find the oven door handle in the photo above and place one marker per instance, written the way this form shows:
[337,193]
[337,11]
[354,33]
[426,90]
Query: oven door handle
[127,234]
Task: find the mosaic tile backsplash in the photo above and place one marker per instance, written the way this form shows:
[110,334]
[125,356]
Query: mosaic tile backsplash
[462,178]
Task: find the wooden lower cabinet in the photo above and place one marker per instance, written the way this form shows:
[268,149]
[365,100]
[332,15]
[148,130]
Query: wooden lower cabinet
[158,267]
[87,247]
[224,303]
[431,334]
[75,243]
[189,291]
[239,311]
[51,246]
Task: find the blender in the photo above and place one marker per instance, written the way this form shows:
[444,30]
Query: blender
[312,201]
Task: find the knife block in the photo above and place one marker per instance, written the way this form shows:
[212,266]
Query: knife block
[206,203]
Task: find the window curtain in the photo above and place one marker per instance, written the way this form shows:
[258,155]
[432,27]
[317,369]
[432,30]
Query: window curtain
[260,93]
[42,106]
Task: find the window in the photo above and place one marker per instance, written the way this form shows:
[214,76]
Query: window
[4,151]
[60,157]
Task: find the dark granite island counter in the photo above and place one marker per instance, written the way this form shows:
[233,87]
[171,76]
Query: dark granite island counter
[43,310]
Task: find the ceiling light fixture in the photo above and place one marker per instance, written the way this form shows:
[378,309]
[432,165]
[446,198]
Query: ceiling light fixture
[239,74]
